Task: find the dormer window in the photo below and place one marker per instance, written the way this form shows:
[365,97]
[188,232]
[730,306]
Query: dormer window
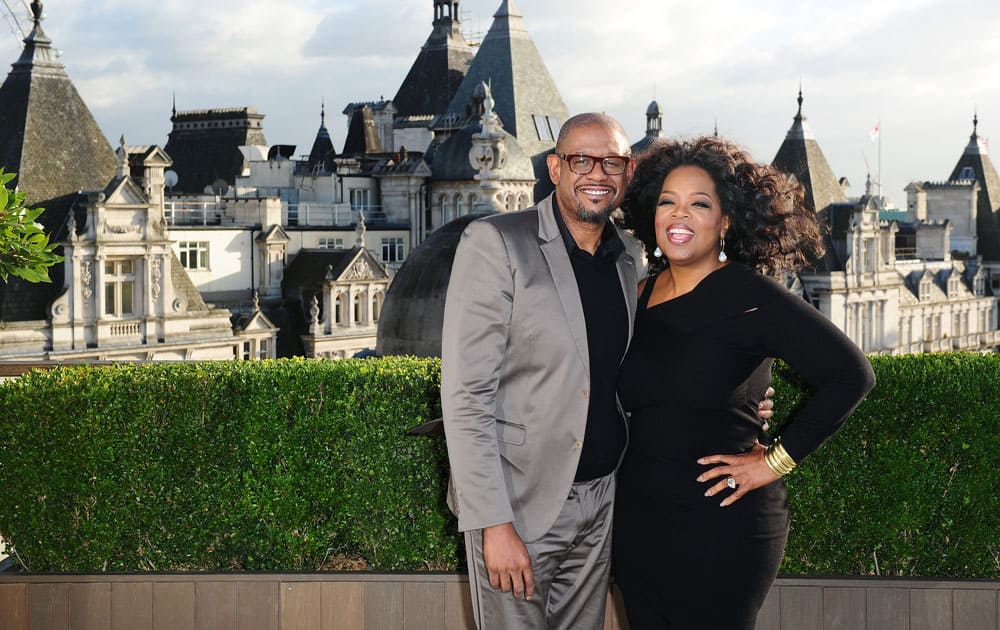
[967,173]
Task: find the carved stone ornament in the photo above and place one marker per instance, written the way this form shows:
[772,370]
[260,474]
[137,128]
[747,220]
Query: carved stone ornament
[360,270]
[156,274]
[86,280]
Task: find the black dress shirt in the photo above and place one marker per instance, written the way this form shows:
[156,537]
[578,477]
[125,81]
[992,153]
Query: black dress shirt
[606,314]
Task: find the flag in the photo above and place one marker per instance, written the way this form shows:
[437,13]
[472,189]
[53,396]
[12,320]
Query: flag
[874,132]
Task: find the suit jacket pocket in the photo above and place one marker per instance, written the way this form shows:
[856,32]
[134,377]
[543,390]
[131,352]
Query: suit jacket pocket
[511,432]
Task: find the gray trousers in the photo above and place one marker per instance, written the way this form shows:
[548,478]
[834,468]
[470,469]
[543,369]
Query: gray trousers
[571,563]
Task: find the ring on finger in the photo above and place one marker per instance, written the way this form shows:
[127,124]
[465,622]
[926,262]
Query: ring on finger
[731,482]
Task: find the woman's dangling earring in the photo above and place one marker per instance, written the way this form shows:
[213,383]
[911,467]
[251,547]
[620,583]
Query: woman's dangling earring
[658,252]
[722,249]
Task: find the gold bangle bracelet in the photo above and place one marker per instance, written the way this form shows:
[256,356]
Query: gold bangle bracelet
[778,459]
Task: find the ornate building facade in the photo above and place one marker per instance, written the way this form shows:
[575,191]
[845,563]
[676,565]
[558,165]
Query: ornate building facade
[894,287]
[121,292]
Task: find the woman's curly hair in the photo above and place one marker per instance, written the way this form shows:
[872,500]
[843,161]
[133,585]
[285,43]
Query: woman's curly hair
[769,226]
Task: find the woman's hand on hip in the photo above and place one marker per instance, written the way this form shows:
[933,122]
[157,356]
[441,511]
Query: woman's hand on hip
[748,471]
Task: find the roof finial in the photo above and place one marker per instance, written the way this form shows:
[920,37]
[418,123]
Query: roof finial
[975,120]
[716,134]
[322,112]
[36,12]
[799,115]
[173,110]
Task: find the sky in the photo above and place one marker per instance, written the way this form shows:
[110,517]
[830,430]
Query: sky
[919,69]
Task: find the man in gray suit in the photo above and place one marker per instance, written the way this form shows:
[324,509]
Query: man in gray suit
[537,319]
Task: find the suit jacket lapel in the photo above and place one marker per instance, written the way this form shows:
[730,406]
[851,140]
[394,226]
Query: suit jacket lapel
[554,250]
[629,277]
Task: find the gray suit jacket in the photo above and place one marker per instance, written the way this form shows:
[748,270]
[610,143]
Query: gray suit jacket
[515,375]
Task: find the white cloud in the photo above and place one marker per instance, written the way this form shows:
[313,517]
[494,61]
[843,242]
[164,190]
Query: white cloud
[919,65]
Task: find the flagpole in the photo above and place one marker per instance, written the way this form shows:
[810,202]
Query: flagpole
[881,199]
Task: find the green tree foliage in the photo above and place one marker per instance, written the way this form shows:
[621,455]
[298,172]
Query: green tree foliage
[25,250]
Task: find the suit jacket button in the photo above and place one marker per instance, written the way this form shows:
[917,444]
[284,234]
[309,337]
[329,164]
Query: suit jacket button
[578,444]
[586,393]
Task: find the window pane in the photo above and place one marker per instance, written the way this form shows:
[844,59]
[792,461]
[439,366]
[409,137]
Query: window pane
[109,267]
[126,267]
[127,287]
[110,303]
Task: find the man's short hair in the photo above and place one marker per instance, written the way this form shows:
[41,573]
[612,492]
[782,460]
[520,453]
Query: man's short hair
[587,119]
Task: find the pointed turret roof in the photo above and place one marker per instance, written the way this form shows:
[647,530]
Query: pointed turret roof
[322,153]
[47,134]
[527,100]
[976,158]
[801,156]
[439,68]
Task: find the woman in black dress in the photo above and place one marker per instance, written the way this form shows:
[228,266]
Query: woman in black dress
[701,516]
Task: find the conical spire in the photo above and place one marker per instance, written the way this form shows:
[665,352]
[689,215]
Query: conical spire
[527,100]
[322,153]
[47,134]
[976,159]
[439,68]
[800,155]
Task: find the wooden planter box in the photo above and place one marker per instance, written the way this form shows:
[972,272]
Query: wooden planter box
[379,601]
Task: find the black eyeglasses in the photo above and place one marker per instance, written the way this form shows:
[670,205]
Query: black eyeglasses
[582,164]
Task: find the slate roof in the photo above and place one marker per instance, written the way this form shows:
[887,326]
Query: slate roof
[511,65]
[322,154]
[50,139]
[451,158]
[988,205]
[438,70]
[205,145]
[801,156]
[47,134]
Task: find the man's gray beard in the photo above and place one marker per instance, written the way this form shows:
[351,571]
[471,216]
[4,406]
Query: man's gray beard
[585,216]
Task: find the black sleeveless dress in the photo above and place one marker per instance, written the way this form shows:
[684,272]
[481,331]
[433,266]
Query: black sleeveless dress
[695,370]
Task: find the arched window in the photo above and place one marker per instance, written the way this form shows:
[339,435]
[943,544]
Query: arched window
[377,306]
[340,310]
[459,206]
[359,308]
[445,210]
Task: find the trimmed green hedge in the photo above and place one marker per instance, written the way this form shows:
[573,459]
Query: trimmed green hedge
[908,486]
[275,465]
[304,465]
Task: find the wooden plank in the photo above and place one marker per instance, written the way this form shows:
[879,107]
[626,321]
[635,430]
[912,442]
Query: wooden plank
[258,605]
[843,608]
[769,617]
[458,607]
[14,604]
[801,608]
[173,606]
[132,606]
[90,606]
[930,609]
[888,608]
[422,609]
[976,610]
[343,606]
[301,606]
[383,606]
[215,606]
[48,606]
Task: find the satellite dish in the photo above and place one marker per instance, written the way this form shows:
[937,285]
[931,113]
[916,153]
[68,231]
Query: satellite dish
[170,179]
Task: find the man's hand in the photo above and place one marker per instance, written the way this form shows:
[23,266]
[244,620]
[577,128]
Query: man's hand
[507,561]
[765,408]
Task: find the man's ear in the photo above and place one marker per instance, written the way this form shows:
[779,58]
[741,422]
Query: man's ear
[552,162]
